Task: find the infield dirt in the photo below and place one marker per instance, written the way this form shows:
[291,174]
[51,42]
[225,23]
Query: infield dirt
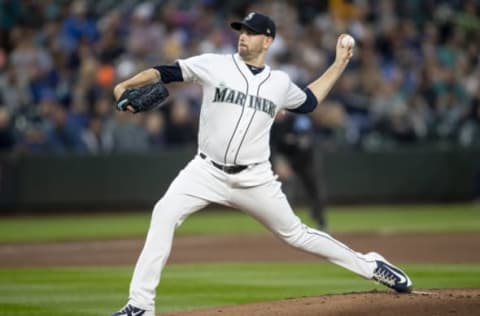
[411,248]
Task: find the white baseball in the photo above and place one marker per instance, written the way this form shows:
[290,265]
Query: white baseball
[347,41]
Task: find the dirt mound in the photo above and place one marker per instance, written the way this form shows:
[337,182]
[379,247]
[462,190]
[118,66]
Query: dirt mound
[445,302]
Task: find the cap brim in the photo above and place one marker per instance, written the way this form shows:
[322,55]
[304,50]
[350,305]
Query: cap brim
[238,26]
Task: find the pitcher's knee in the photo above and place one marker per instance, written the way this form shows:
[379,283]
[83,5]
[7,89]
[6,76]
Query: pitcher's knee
[166,212]
[295,237]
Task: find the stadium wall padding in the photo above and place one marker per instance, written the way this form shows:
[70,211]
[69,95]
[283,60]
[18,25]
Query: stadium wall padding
[79,182]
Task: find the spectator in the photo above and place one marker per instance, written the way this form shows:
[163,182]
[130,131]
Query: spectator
[27,59]
[34,141]
[155,126]
[7,139]
[78,27]
[180,130]
[145,34]
[128,134]
[10,17]
[14,93]
[95,138]
[63,136]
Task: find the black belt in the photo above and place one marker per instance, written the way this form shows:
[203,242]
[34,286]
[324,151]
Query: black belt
[227,169]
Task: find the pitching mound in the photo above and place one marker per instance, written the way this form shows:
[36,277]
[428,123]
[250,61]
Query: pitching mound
[465,302]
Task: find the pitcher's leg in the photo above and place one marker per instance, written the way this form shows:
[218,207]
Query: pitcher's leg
[268,204]
[193,189]
[167,213]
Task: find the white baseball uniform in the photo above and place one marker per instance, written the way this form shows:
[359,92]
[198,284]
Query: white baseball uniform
[238,109]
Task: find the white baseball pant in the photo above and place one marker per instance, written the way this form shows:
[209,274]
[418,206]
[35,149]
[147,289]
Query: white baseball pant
[254,191]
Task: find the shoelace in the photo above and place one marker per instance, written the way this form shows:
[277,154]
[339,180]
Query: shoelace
[130,311]
[385,276]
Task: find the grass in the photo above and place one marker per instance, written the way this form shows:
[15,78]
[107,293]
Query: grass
[390,219]
[99,291]
[407,218]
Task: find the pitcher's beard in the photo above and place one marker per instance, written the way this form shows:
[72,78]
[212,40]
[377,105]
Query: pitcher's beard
[243,51]
[246,53]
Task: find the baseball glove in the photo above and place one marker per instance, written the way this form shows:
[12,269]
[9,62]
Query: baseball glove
[141,99]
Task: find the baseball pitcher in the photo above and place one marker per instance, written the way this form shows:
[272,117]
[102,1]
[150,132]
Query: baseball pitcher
[241,96]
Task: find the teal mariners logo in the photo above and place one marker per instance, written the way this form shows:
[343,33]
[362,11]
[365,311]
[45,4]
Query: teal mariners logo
[227,95]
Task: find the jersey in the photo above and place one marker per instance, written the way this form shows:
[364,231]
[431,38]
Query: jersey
[238,107]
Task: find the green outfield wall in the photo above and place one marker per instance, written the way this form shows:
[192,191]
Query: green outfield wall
[81,182]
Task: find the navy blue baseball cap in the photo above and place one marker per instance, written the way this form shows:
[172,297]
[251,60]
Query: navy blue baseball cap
[256,22]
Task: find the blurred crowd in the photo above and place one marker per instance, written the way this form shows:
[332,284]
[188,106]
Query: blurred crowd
[414,79]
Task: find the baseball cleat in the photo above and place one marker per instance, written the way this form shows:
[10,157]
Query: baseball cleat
[130,310]
[391,276]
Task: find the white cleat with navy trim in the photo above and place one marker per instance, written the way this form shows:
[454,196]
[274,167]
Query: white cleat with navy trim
[390,275]
[130,310]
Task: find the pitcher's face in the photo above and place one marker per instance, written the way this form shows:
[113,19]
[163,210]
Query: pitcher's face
[251,44]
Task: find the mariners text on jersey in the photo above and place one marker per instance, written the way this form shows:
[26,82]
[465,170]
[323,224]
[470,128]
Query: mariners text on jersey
[228,95]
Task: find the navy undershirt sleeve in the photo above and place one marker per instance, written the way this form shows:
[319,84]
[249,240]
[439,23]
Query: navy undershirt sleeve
[309,105]
[170,73]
